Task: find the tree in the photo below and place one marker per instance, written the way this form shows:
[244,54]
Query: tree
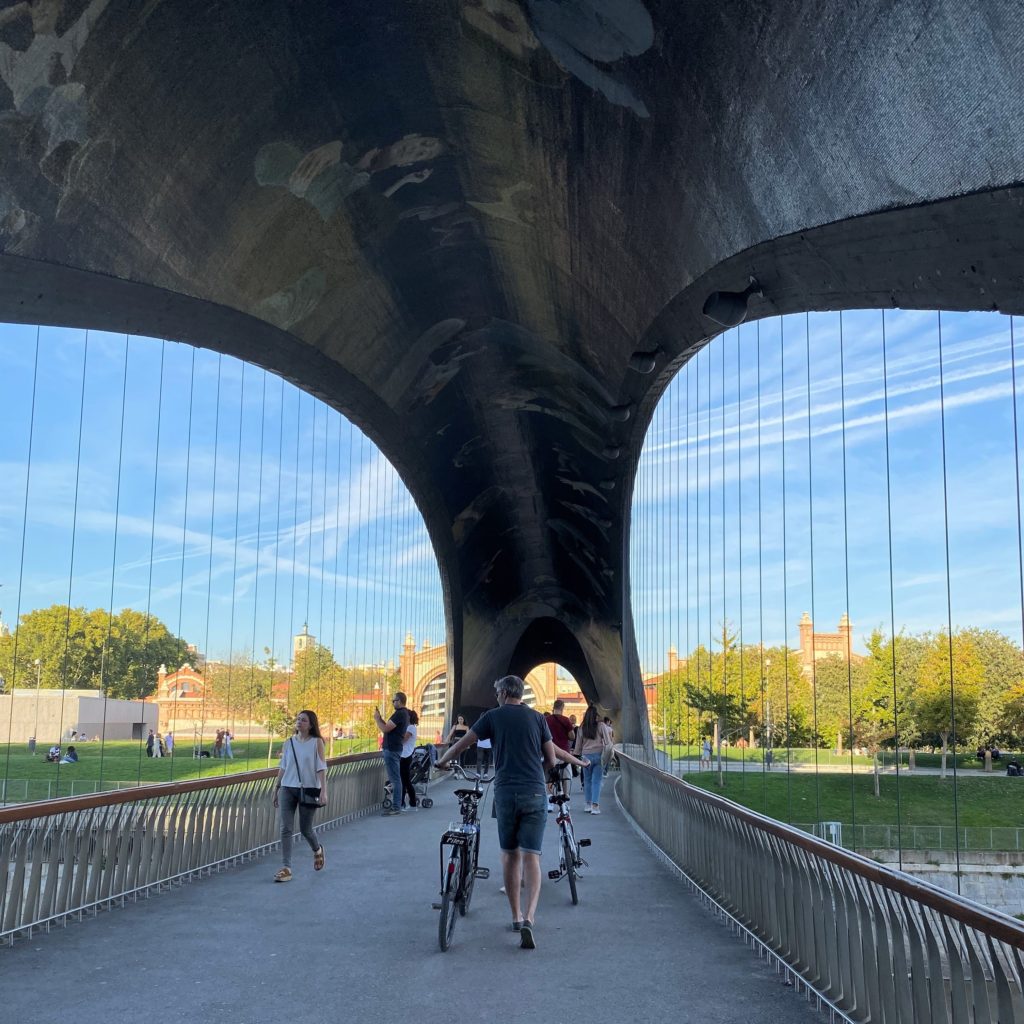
[948,694]
[836,682]
[79,649]
[1003,661]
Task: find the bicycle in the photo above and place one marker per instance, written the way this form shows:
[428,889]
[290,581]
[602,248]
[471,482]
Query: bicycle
[570,858]
[462,841]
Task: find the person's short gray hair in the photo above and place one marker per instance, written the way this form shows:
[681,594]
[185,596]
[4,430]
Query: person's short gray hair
[510,686]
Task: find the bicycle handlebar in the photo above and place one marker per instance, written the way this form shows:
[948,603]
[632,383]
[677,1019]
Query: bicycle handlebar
[457,768]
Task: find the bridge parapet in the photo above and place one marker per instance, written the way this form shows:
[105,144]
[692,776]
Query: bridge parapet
[864,939]
[60,859]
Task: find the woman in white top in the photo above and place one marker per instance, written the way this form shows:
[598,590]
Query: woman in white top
[405,764]
[592,737]
[303,766]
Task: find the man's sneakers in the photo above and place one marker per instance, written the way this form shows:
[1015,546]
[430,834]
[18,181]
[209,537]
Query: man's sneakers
[517,926]
[588,808]
[526,936]
[595,809]
[389,812]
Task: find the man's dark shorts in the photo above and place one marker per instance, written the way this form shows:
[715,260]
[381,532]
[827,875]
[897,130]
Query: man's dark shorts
[522,816]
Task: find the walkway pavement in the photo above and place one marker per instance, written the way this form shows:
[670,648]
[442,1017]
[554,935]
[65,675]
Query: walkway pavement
[359,942]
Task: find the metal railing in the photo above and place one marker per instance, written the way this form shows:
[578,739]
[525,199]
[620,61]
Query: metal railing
[63,858]
[866,941]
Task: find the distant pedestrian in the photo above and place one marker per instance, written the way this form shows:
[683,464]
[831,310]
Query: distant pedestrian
[218,744]
[227,745]
[158,746]
[592,738]
[150,740]
[705,752]
[303,767]
[768,758]
[169,743]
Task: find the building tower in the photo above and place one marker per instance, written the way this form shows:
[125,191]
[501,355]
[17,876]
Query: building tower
[302,642]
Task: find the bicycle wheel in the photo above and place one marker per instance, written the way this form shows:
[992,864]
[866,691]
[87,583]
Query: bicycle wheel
[449,900]
[570,866]
[467,885]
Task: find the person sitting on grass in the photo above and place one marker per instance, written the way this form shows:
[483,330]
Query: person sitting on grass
[71,757]
[53,754]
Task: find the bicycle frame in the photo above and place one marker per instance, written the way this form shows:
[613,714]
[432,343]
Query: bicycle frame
[460,844]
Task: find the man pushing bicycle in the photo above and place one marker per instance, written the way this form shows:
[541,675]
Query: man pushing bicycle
[523,752]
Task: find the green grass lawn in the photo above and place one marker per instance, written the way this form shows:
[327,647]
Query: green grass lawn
[115,764]
[808,755]
[922,801]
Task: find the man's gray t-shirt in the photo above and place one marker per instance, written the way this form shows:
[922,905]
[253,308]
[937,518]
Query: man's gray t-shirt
[518,734]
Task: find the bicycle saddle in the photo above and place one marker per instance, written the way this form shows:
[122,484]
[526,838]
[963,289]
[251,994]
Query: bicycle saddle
[468,792]
[560,799]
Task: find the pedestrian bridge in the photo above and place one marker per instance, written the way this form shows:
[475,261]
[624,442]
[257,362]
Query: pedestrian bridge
[691,908]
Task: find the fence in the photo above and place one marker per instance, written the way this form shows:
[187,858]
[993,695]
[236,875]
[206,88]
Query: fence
[865,940]
[66,857]
[924,837]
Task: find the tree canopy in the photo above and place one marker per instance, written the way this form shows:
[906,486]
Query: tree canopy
[91,650]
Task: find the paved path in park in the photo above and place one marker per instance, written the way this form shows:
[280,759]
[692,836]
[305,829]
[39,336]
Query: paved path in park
[358,942]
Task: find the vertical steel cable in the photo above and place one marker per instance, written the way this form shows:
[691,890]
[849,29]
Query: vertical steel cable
[309,520]
[785,577]
[321,635]
[147,668]
[334,575]
[766,733]
[711,620]
[21,555]
[74,534]
[892,589]
[184,538]
[209,578]
[677,575]
[277,570]
[846,571]
[362,597]
[1016,472]
[696,547]
[725,617]
[256,583]
[810,532]
[105,653]
[739,542]
[292,629]
[349,660]
[229,703]
[949,603]
[687,650]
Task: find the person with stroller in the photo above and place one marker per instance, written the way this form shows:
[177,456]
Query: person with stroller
[392,740]
[405,765]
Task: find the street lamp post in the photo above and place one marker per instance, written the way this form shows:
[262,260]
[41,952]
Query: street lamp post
[35,728]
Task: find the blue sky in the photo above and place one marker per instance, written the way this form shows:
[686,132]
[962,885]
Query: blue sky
[325,530]
[805,551]
[328,499]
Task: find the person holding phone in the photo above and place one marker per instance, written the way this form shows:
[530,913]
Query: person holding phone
[393,731]
[302,762]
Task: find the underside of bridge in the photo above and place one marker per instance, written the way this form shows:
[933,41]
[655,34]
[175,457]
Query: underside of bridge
[485,231]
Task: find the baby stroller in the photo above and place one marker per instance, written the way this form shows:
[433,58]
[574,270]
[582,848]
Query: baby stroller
[419,772]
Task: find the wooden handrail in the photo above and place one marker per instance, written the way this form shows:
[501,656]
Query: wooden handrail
[47,808]
[991,922]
